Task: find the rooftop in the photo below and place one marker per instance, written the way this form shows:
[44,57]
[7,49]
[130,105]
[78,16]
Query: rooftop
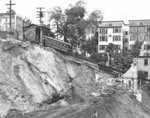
[140,20]
[115,21]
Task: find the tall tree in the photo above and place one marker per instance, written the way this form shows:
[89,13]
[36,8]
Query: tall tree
[109,51]
[90,45]
[72,23]
[57,18]
[92,23]
[76,23]
[96,17]
[136,48]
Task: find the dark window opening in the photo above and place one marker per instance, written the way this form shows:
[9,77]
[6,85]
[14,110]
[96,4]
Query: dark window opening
[145,62]
[141,23]
[145,74]
[148,29]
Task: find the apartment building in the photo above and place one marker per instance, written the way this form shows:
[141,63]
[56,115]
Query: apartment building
[116,32]
[140,31]
[17,22]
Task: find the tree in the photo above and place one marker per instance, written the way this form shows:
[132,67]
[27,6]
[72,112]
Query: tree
[72,23]
[123,60]
[99,58]
[136,48]
[109,51]
[90,45]
[75,20]
[57,18]
[95,18]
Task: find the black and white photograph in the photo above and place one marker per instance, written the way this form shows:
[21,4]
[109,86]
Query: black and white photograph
[74,59]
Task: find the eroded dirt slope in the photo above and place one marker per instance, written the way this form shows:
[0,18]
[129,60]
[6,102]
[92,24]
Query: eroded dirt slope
[32,76]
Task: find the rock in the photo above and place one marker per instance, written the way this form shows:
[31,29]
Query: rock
[95,94]
[14,113]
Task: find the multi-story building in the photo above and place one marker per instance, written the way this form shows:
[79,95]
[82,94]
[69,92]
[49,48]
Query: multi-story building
[115,32]
[140,31]
[143,66]
[17,22]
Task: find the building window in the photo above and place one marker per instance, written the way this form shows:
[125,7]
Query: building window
[116,30]
[133,38]
[141,38]
[102,47]
[141,29]
[146,47]
[125,32]
[126,40]
[141,23]
[142,74]
[133,29]
[148,29]
[110,25]
[145,74]
[103,30]
[147,38]
[125,48]
[145,62]
[118,47]
[146,54]
[103,38]
[116,38]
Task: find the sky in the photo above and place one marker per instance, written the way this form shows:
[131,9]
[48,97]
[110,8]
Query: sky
[112,9]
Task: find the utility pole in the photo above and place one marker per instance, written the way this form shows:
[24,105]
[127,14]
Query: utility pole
[23,25]
[40,14]
[10,11]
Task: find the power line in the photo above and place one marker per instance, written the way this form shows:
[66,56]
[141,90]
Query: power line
[40,14]
[10,11]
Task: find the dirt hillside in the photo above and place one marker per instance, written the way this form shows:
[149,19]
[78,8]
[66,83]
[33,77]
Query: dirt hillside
[39,82]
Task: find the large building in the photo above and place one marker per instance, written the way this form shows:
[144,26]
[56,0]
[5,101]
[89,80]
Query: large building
[17,22]
[116,32]
[140,31]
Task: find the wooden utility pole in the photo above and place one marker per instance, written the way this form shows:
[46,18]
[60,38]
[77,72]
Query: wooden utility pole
[40,14]
[10,11]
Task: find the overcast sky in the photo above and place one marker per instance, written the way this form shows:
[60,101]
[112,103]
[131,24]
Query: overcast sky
[112,9]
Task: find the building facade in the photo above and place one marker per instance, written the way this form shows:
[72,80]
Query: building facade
[140,31]
[116,32]
[143,66]
[17,22]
